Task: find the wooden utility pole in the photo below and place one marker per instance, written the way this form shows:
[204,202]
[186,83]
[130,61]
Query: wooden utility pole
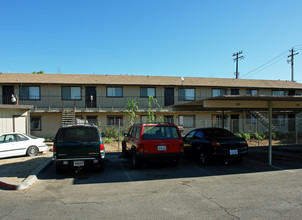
[237,57]
[291,56]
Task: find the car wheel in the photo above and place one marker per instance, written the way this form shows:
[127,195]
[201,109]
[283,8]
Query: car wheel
[124,153]
[32,151]
[134,160]
[203,158]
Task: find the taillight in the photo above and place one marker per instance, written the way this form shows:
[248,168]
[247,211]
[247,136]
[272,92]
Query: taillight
[54,148]
[245,143]
[102,147]
[216,144]
[181,146]
[140,148]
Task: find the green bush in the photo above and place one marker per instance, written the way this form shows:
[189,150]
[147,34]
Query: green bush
[107,140]
[257,136]
[244,135]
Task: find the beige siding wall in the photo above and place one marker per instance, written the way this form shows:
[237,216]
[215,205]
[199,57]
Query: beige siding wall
[50,122]
[7,122]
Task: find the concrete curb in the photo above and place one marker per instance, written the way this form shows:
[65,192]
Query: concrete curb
[31,179]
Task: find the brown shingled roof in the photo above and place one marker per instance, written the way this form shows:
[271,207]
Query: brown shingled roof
[25,78]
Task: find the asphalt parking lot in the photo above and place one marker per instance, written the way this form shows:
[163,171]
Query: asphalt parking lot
[249,190]
[117,169]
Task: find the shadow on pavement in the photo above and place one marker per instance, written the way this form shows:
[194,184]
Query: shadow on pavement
[117,169]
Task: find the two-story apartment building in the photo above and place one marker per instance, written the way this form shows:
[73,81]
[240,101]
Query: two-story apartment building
[102,99]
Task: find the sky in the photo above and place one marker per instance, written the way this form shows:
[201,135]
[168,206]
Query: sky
[186,38]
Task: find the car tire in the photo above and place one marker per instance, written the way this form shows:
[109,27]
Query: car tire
[135,163]
[32,151]
[204,159]
[124,152]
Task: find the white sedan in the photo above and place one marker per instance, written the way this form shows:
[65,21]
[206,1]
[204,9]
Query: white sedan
[17,144]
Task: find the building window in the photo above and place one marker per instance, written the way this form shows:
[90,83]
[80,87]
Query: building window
[144,119]
[114,92]
[146,92]
[278,93]
[234,91]
[29,92]
[92,119]
[279,120]
[71,92]
[250,119]
[252,91]
[218,92]
[113,120]
[35,123]
[169,119]
[186,94]
[187,121]
[217,120]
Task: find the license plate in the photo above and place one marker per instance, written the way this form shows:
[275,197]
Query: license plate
[161,148]
[78,163]
[233,152]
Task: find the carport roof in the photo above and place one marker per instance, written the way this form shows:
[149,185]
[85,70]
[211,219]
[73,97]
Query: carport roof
[242,102]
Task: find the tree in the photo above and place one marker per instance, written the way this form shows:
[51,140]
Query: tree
[39,72]
[153,103]
[131,109]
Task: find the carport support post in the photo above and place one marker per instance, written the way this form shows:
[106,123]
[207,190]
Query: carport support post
[222,123]
[270,133]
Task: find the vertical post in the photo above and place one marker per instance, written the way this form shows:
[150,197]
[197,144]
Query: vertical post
[296,129]
[222,123]
[270,133]
[119,131]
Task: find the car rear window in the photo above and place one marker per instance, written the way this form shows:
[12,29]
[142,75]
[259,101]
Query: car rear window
[216,132]
[160,132]
[77,134]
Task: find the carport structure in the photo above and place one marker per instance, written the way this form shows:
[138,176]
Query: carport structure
[246,103]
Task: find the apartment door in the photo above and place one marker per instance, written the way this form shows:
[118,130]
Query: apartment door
[235,123]
[90,97]
[169,96]
[7,92]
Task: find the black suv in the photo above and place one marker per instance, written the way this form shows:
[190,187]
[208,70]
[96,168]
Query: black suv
[78,146]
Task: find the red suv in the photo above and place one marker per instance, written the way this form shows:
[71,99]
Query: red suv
[152,141]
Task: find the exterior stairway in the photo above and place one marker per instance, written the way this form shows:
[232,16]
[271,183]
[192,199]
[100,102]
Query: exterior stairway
[68,118]
[262,119]
[68,115]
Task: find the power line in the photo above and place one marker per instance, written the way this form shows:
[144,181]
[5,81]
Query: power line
[266,63]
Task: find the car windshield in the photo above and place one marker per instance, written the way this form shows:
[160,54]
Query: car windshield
[77,134]
[218,132]
[160,132]
[32,137]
